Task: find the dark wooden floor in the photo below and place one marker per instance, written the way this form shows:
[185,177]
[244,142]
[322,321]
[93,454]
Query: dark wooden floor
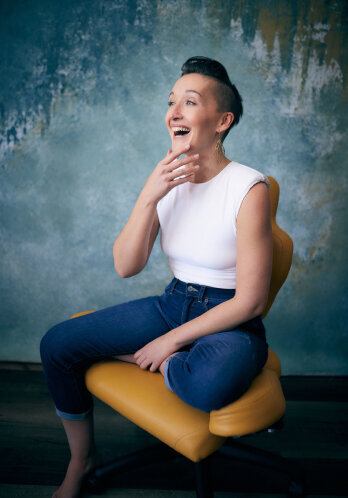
[34,451]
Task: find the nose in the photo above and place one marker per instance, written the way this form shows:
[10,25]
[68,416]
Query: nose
[176,112]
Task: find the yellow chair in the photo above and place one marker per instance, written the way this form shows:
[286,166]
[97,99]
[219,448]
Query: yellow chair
[143,398]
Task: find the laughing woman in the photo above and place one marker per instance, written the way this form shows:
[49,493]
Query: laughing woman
[204,333]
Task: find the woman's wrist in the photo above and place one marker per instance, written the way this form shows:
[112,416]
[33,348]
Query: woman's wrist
[146,200]
[176,338]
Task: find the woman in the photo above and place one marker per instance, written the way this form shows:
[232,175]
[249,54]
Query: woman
[204,333]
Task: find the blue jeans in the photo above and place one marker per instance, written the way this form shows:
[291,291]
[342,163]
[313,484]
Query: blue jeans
[208,374]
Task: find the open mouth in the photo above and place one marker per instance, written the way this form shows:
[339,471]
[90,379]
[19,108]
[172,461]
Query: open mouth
[180,131]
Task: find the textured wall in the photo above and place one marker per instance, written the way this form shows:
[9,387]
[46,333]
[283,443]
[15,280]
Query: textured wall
[84,88]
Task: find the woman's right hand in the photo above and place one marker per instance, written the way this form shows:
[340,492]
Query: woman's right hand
[165,175]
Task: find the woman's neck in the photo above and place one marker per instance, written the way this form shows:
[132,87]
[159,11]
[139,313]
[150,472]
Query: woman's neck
[210,166]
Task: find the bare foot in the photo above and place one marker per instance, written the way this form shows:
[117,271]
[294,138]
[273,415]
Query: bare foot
[77,470]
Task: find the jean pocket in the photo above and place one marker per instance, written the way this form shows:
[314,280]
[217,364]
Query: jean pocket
[168,288]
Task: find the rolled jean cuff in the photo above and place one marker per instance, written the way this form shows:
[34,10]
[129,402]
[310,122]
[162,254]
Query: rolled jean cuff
[165,372]
[74,416]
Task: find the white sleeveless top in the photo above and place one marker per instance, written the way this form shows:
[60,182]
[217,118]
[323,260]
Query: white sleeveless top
[198,226]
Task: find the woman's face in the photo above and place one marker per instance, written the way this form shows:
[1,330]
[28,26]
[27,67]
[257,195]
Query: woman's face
[192,117]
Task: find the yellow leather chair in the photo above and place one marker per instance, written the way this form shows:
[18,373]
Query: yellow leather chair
[143,398]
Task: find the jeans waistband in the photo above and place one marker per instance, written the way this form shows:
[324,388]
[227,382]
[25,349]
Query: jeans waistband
[200,291]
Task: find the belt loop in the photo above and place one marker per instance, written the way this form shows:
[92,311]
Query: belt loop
[172,285]
[201,293]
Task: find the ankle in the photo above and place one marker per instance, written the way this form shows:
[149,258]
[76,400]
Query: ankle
[84,463]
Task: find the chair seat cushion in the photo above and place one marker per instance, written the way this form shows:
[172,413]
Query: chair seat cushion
[260,407]
[143,398]
[273,362]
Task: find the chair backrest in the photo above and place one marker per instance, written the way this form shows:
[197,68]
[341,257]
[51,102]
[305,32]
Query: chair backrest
[282,249]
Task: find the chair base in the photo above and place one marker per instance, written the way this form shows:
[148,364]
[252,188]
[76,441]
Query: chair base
[98,480]
[233,450]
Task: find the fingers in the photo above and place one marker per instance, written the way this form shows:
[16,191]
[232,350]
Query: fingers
[143,362]
[184,161]
[172,155]
[185,179]
[183,173]
[180,171]
[140,359]
[175,169]
[171,163]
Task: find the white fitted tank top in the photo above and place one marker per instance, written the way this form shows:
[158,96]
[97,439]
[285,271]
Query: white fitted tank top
[198,226]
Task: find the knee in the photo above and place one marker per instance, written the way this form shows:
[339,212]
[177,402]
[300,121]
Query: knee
[51,346]
[214,397]
[207,395]
[196,388]
[203,399]
[209,388]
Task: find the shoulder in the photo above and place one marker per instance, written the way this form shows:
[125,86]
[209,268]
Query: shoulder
[242,179]
[243,174]
[256,201]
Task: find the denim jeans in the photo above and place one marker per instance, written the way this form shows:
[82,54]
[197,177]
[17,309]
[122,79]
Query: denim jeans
[208,374]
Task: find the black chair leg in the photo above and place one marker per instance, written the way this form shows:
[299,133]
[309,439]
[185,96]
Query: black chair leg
[203,479]
[242,452]
[97,480]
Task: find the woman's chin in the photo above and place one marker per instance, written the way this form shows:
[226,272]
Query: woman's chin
[179,145]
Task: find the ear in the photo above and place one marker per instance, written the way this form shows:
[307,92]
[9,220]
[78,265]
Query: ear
[225,122]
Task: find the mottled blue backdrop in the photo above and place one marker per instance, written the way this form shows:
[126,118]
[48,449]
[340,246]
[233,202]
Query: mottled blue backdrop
[84,88]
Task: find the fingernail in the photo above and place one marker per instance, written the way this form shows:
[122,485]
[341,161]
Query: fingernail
[187,146]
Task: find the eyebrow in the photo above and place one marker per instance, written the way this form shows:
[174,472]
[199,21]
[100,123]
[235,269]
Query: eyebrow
[186,91]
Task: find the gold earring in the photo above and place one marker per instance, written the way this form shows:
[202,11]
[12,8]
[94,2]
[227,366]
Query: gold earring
[219,149]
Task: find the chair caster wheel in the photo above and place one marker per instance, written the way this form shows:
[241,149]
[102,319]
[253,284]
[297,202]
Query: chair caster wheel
[94,484]
[296,490]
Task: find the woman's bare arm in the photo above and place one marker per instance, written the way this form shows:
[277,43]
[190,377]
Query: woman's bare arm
[133,246]
[254,265]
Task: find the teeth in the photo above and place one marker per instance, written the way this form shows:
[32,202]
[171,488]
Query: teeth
[180,128]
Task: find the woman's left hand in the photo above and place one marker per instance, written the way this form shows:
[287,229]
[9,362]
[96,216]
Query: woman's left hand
[154,353]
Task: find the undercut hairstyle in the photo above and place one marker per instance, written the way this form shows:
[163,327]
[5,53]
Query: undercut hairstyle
[227,96]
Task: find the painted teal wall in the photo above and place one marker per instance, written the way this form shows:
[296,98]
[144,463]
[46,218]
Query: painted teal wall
[84,88]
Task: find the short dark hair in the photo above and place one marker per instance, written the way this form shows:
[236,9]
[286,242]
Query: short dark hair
[227,95]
